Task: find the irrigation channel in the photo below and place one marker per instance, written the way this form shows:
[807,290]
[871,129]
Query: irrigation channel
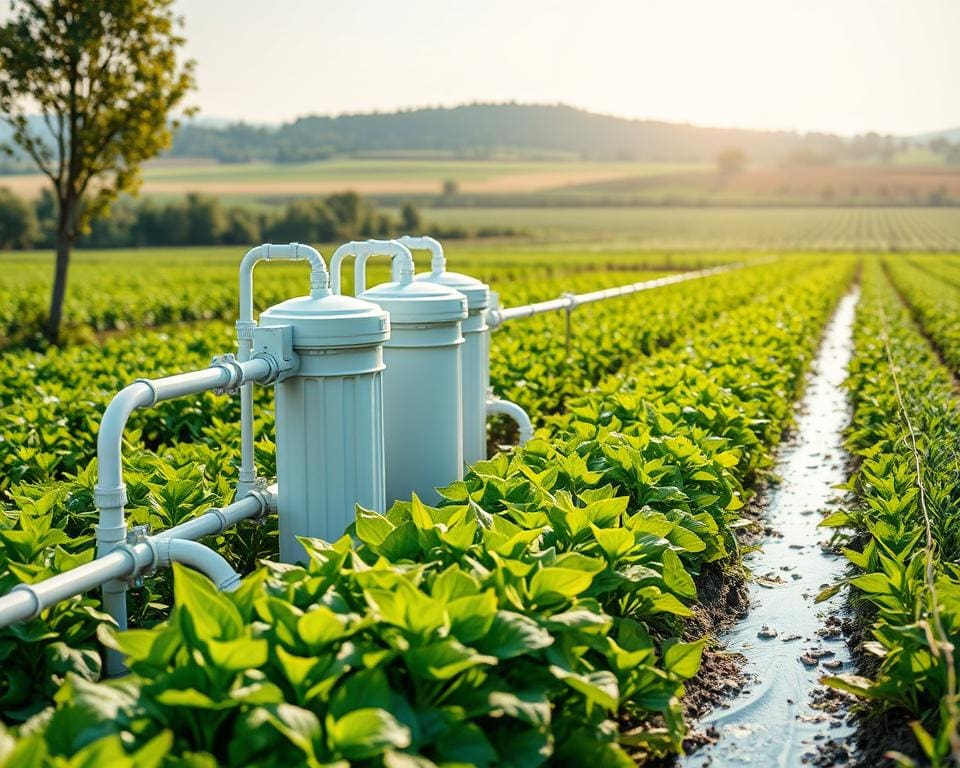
[779,718]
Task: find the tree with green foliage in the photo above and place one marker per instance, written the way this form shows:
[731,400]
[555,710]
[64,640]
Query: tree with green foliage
[103,78]
[18,225]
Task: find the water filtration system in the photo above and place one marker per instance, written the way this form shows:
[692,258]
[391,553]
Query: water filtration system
[329,412]
[377,396]
[422,402]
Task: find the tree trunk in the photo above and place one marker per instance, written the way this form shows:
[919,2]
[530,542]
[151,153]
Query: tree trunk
[64,242]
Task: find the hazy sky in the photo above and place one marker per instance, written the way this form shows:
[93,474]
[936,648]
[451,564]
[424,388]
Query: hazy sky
[838,65]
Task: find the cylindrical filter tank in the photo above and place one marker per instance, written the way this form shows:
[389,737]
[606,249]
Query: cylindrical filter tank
[329,416]
[422,400]
[476,345]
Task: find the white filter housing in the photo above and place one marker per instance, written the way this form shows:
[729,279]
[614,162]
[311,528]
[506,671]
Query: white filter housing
[475,355]
[476,344]
[422,389]
[329,417]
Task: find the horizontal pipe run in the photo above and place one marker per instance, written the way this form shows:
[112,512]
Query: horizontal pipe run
[213,522]
[109,492]
[127,561]
[571,301]
[27,600]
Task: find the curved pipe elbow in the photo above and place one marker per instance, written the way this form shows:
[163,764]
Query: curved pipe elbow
[362,250]
[438,261]
[109,438]
[319,277]
[200,558]
[515,412]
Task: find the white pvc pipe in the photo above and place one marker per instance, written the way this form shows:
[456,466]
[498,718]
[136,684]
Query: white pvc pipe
[215,521]
[570,301]
[515,412]
[200,558]
[110,493]
[362,250]
[26,601]
[319,286]
[438,262]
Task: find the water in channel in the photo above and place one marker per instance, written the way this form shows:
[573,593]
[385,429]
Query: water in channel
[789,641]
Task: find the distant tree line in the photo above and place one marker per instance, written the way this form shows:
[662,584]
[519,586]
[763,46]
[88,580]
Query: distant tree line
[478,131]
[204,220]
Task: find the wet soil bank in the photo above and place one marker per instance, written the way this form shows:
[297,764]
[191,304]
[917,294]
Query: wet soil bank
[782,716]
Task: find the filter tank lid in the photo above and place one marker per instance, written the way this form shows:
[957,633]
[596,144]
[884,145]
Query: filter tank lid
[330,321]
[477,293]
[418,302]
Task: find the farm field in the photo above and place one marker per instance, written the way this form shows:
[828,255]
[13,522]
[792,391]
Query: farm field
[735,229]
[563,589]
[558,181]
[369,176]
[110,291]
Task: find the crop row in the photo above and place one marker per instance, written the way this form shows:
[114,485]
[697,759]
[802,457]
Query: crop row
[933,292]
[522,621]
[906,433]
[530,364]
[115,290]
[50,402]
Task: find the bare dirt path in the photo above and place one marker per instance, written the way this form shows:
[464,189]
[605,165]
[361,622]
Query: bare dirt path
[783,717]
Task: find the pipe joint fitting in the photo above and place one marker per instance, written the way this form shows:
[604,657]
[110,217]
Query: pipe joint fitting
[222,522]
[139,534]
[154,394]
[234,371]
[245,329]
[266,499]
[274,364]
[37,606]
[162,548]
[109,498]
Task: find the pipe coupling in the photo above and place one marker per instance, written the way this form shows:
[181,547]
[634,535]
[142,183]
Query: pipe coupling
[229,364]
[154,395]
[34,597]
[108,498]
[245,329]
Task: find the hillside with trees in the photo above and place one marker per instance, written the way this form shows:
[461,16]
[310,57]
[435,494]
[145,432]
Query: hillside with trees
[485,130]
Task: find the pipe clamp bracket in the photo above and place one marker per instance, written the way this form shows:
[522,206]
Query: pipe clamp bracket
[228,363]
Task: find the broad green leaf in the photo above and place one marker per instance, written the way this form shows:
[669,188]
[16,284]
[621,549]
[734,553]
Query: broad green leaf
[683,659]
[513,634]
[443,660]
[551,583]
[599,687]
[366,733]
[213,615]
[675,576]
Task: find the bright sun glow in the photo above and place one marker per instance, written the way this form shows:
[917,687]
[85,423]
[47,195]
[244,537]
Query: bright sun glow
[834,65]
